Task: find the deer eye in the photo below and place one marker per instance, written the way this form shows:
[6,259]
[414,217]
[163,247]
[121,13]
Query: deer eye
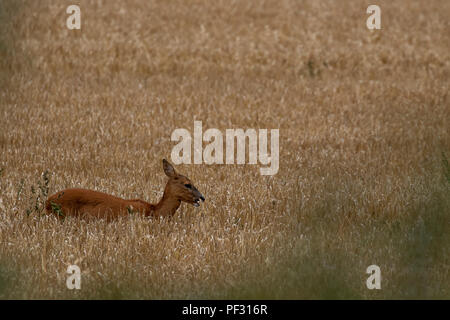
[188,186]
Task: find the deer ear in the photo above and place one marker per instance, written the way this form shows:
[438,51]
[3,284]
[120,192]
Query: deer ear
[168,169]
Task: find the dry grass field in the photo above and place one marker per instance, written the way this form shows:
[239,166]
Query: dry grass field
[364,120]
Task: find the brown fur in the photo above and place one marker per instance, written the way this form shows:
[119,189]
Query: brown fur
[93,204]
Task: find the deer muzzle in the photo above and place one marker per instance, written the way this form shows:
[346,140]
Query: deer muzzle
[197,197]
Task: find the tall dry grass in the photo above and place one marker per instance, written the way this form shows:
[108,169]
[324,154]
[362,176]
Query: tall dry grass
[364,118]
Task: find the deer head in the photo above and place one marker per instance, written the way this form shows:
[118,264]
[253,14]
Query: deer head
[181,187]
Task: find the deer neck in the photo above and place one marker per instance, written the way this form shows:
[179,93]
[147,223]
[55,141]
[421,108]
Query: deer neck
[168,205]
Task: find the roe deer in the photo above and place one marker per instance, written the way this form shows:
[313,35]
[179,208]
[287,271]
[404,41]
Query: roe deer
[89,203]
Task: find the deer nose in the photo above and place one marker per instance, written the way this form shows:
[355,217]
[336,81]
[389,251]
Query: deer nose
[199,195]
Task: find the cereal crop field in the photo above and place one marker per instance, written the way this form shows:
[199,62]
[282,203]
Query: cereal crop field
[364,148]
